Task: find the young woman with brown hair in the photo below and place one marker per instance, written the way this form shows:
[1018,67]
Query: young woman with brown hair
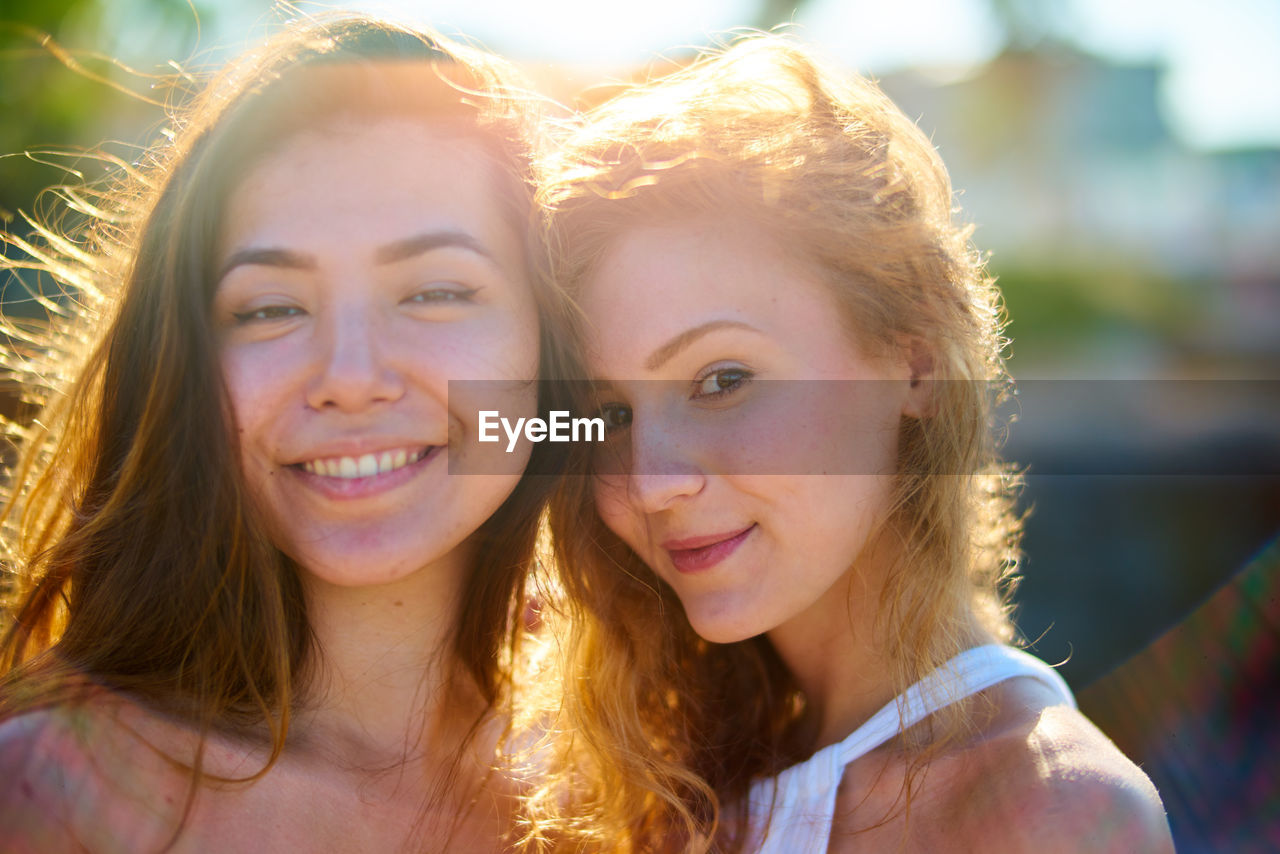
[262,579]
[788,574]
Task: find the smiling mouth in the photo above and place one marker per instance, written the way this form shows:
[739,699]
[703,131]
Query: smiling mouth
[365,465]
[703,553]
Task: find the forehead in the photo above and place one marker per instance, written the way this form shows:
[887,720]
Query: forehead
[359,178]
[690,263]
[653,282]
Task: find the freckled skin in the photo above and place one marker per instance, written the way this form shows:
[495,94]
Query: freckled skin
[815,402]
[354,350]
[703,457]
[347,352]
[93,779]
[1036,778]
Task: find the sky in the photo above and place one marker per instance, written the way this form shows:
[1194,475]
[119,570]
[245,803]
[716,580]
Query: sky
[1220,89]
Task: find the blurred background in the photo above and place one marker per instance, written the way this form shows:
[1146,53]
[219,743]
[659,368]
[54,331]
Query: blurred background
[1121,163]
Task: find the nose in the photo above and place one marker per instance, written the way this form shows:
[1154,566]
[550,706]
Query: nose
[353,366]
[663,470]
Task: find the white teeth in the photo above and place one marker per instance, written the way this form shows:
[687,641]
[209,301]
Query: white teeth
[366,465]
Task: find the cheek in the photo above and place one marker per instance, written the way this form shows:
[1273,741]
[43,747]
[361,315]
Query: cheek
[821,510]
[251,388]
[614,508]
[530,334]
[264,394]
[237,381]
[515,336]
[848,508]
[499,348]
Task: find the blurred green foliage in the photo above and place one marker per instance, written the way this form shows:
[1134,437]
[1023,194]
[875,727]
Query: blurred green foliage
[1056,307]
[75,73]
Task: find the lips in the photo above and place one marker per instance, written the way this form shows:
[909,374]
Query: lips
[695,554]
[364,465]
[362,476]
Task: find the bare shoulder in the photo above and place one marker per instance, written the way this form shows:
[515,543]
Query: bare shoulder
[33,788]
[74,778]
[1044,779]
[42,780]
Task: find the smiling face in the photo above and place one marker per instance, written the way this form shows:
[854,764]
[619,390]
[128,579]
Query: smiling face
[719,485]
[366,264]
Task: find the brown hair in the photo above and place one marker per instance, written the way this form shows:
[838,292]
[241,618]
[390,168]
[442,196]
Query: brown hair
[668,730]
[135,560]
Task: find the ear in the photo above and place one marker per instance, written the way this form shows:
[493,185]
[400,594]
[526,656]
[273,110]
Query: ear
[919,356]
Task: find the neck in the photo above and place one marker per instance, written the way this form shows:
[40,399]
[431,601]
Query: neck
[839,652]
[837,656]
[384,687]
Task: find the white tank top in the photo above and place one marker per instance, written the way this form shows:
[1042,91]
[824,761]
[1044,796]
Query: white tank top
[805,805]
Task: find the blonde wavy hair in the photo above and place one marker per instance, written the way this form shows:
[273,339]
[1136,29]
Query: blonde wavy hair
[663,732]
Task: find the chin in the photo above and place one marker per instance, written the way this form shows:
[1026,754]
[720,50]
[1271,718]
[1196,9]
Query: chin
[356,567]
[720,629]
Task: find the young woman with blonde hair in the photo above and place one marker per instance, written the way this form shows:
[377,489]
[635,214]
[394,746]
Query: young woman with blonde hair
[261,577]
[788,572]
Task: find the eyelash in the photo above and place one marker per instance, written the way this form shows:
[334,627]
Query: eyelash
[611,412]
[444,295]
[431,296]
[741,375]
[267,313]
[618,416]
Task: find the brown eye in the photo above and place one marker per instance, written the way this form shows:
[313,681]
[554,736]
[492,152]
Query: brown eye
[617,416]
[443,295]
[267,313]
[721,382]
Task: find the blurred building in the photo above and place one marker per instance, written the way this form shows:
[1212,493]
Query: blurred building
[1064,161]
[1146,271]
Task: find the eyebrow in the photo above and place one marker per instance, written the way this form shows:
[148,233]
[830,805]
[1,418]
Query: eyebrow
[663,354]
[267,258]
[420,244]
[400,250]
